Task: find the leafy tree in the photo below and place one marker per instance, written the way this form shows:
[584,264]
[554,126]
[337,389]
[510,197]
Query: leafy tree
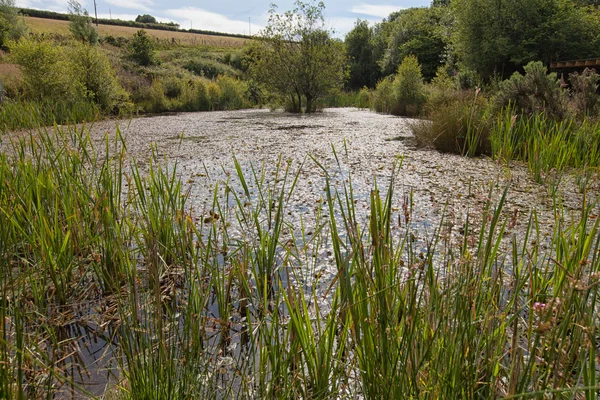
[423,32]
[80,24]
[497,37]
[141,48]
[297,59]
[11,26]
[146,19]
[364,70]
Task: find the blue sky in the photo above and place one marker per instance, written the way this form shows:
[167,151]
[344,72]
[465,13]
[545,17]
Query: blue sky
[230,15]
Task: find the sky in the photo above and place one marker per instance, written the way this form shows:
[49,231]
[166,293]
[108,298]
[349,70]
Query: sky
[231,16]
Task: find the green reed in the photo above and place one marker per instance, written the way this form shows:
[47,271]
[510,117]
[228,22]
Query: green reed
[230,303]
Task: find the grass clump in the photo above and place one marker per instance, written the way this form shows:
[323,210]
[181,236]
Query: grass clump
[462,126]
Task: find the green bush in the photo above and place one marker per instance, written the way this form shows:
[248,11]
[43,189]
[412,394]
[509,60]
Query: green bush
[207,68]
[232,93]
[173,87]
[141,48]
[117,41]
[408,88]
[405,93]
[47,74]
[536,91]
[92,68]
[442,92]
[382,96]
[153,99]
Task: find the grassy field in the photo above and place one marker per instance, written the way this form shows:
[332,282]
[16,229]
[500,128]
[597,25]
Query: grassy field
[43,25]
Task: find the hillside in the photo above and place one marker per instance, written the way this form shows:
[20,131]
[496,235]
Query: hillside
[43,25]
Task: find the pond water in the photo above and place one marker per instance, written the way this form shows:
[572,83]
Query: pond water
[367,146]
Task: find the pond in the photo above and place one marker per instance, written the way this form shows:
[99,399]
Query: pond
[367,145]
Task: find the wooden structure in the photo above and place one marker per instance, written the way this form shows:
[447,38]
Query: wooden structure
[575,65]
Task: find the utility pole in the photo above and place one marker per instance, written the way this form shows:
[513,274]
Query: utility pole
[249,28]
[110,13]
[96,13]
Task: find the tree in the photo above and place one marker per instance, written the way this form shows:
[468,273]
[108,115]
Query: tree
[146,19]
[364,70]
[423,32]
[80,24]
[497,37]
[297,59]
[141,48]
[11,26]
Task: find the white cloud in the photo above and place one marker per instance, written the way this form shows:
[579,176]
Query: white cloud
[343,25]
[210,21]
[51,5]
[381,11]
[143,5]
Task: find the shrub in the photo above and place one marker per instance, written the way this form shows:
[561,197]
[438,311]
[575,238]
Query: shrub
[173,87]
[207,68]
[46,73]
[117,41]
[462,126]
[585,91]
[404,94]
[232,93]
[442,92]
[93,70]
[536,91]
[141,48]
[467,79]
[408,88]
[80,24]
[213,92]
[196,97]
[382,96]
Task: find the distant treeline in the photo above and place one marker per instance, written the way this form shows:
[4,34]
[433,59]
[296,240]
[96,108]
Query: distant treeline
[167,26]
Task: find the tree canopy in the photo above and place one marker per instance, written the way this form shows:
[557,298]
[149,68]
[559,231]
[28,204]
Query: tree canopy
[364,70]
[297,59]
[422,32]
[500,36]
[479,39]
[146,19]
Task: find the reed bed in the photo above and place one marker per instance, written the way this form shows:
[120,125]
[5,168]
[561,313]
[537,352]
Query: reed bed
[229,302]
